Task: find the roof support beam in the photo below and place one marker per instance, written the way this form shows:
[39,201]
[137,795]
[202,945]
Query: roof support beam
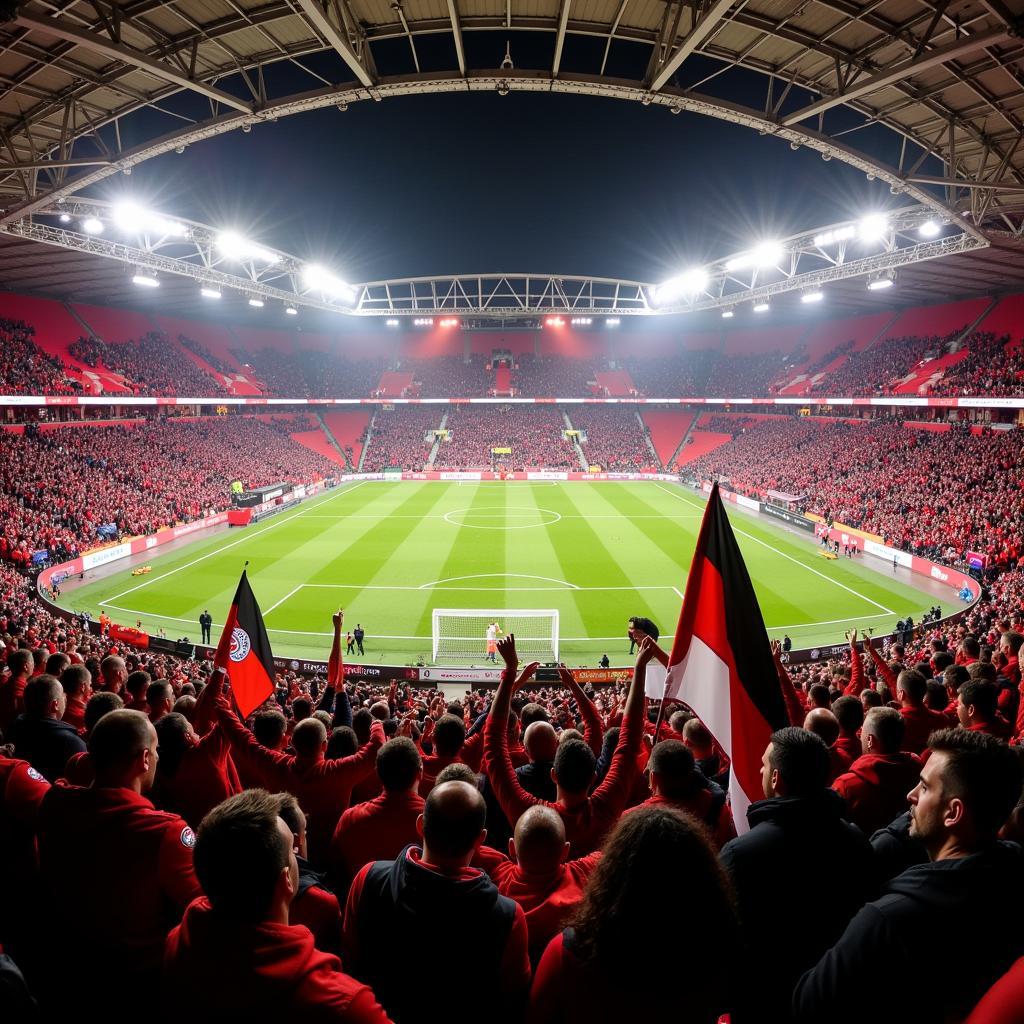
[933,58]
[317,17]
[563,21]
[698,35]
[60,28]
[460,52]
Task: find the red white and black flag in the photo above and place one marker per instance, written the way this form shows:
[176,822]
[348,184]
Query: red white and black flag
[721,663]
[244,651]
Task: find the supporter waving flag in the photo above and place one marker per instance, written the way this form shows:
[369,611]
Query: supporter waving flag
[244,654]
[721,663]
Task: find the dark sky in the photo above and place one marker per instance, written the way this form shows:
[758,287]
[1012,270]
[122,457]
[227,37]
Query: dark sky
[528,182]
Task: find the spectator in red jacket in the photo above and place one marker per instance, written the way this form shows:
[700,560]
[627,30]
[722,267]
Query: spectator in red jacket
[1004,1001]
[676,782]
[876,786]
[597,971]
[977,709]
[919,719]
[588,817]
[235,955]
[12,689]
[381,828]
[849,714]
[125,868]
[537,875]
[433,891]
[77,683]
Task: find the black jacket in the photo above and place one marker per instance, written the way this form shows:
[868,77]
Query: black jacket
[46,744]
[928,949]
[894,850]
[800,873]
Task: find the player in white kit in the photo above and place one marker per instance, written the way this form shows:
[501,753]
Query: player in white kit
[493,632]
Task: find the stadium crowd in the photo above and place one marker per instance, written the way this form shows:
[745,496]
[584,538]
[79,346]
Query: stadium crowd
[547,376]
[616,438]
[993,366]
[25,369]
[876,369]
[60,488]
[152,365]
[399,437]
[936,494]
[324,858]
[534,433]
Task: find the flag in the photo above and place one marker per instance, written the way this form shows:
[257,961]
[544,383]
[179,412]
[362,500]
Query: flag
[721,663]
[243,653]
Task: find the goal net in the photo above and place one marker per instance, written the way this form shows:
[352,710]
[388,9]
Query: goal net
[461,634]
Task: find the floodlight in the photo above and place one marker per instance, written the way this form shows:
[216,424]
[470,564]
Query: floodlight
[234,247]
[581,321]
[839,234]
[873,227]
[130,217]
[291,311]
[685,285]
[392,322]
[812,296]
[317,279]
[762,307]
[764,255]
[727,314]
[210,293]
[145,280]
[424,321]
[257,303]
[929,229]
[612,321]
[92,226]
[65,218]
[449,321]
[555,321]
[880,282]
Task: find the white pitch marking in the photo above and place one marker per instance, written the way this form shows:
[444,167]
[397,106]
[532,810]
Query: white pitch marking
[782,554]
[498,575]
[227,547]
[276,604]
[678,593]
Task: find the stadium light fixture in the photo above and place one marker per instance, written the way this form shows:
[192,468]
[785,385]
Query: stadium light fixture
[555,321]
[133,219]
[929,229]
[449,321]
[210,293]
[812,297]
[317,279]
[92,226]
[762,307]
[65,218]
[145,280]
[424,321]
[764,255]
[256,303]
[873,227]
[686,285]
[291,311]
[612,321]
[581,321]
[881,282]
[392,322]
[234,247]
[727,314]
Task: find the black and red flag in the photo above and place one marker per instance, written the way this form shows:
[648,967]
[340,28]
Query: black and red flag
[243,653]
[721,663]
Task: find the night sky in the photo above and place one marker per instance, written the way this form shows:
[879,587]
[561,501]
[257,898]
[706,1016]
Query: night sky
[527,182]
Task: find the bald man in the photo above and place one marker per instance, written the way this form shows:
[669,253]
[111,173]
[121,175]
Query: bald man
[107,855]
[406,918]
[538,875]
[113,674]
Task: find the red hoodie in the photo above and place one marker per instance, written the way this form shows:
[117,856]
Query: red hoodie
[379,829]
[920,723]
[224,970]
[22,790]
[843,753]
[876,786]
[547,900]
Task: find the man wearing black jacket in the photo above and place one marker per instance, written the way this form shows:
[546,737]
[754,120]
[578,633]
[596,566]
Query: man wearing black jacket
[798,845]
[40,737]
[969,898]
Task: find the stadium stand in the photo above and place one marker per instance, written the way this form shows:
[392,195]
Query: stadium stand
[534,433]
[616,439]
[398,437]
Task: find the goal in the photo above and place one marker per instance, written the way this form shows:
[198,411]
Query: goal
[460,634]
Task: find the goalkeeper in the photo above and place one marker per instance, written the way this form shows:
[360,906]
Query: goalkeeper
[493,632]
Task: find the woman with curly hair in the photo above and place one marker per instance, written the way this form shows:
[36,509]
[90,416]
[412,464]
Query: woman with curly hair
[622,957]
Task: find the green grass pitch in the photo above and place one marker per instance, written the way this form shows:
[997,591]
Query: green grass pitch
[391,552]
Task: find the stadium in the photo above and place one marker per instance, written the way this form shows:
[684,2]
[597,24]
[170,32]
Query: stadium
[463,465]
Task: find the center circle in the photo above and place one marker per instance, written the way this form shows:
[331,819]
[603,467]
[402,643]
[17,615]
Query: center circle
[502,512]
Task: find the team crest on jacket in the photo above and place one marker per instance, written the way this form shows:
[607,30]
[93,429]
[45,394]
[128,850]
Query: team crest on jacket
[34,775]
[188,837]
[240,644]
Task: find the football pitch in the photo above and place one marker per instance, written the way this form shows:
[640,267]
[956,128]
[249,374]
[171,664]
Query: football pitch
[389,553]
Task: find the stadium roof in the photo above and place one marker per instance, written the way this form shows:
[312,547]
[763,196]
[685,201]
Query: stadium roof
[928,96]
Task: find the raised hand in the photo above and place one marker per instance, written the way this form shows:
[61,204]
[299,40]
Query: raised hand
[646,651]
[507,650]
[338,618]
[566,676]
[853,639]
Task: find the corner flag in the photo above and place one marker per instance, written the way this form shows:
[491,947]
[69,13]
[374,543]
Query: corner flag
[243,653]
[721,663]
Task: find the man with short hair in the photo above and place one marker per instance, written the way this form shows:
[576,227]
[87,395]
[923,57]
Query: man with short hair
[797,841]
[76,682]
[39,735]
[977,709]
[676,782]
[876,786]
[710,761]
[969,896]
[849,714]
[125,868]
[205,625]
[159,699]
[236,955]
[381,828]
[432,890]
[20,665]
[920,721]
[113,674]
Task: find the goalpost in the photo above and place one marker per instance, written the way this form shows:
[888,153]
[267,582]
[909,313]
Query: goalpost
[460,634]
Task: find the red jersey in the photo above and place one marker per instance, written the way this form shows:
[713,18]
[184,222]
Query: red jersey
[205,777]
[876,786]
[22,790]
[920,723]
[377,830]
